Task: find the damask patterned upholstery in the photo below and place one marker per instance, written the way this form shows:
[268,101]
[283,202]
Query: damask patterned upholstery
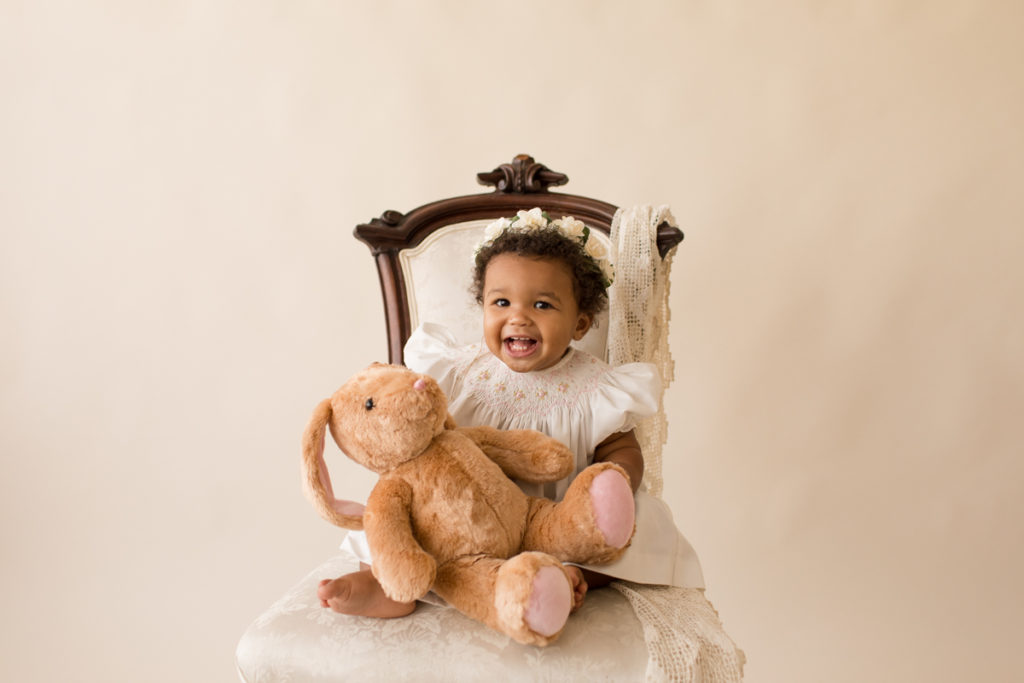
[298,641]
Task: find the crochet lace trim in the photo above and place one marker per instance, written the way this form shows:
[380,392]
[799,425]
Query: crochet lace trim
[639,317]
[685,639]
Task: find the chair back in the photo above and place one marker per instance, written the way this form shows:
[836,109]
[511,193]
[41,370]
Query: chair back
[424,257]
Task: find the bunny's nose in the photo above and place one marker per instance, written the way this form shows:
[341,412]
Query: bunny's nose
[419,385]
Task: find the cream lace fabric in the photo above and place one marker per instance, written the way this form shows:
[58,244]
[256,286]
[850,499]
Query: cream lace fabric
[685,639]
[638,323]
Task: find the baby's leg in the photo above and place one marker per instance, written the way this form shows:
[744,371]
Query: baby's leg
[359,594]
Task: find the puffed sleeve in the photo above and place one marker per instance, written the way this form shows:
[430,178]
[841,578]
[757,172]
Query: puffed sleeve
[433,350]
[624,396]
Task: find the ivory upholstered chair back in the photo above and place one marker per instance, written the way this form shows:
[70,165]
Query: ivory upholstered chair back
[424,257]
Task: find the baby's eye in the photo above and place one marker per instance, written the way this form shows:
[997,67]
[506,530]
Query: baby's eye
[542,304]
[501,302]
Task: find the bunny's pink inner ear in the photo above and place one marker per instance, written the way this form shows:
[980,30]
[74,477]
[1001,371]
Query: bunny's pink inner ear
[317,480]
[343,507]
[348,508]
[323,474]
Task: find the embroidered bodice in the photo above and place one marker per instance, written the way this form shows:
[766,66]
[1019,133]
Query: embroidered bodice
[580,400]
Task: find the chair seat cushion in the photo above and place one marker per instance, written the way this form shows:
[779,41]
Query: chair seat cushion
[297,640]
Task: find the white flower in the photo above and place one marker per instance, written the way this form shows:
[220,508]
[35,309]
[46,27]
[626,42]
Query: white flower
[570,227]
[608,270]
[534,218]
[496,228]
[596,250]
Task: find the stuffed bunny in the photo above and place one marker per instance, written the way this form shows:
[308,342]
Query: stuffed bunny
[445,516]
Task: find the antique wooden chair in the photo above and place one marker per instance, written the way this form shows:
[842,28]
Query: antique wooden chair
[423,260]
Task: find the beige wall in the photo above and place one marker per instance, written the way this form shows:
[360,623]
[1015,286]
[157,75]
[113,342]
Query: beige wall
[178,185]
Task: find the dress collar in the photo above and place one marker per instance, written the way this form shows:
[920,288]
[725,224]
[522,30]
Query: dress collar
[495,363]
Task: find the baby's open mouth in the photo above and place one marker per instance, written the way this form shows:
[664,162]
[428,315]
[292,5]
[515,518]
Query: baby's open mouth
[520,346]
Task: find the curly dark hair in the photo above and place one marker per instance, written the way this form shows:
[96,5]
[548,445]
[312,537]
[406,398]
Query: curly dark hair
[588,281]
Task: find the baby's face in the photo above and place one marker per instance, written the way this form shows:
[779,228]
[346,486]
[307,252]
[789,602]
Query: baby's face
[530,311]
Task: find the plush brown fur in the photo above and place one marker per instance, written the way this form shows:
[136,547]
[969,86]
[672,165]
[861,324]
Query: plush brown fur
[444,513]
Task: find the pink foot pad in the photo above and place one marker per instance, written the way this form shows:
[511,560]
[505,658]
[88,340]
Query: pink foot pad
[612,499]
[550,602]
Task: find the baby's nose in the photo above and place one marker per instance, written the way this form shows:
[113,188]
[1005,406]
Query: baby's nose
[518,317]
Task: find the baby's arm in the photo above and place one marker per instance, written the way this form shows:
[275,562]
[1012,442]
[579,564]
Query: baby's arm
[623,449]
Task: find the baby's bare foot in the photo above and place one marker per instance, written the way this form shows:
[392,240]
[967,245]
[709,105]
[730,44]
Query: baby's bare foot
[360,594]
[579,585]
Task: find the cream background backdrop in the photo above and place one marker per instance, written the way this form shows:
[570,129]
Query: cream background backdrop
[178,185]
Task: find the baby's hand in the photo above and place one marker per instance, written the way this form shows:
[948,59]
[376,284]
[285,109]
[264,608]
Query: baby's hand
[579,586]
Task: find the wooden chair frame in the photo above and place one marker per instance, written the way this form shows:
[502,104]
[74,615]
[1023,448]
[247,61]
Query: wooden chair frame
[521,184]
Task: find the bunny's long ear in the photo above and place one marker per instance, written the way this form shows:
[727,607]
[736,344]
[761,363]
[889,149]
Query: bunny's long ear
[315,478]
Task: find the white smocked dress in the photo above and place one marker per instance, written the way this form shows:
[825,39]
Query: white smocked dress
[580,401]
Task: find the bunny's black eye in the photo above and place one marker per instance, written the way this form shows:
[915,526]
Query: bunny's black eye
[369,404]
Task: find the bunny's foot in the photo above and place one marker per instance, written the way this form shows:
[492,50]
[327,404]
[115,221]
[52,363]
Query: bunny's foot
[614,513]
[593,523]
[533,597]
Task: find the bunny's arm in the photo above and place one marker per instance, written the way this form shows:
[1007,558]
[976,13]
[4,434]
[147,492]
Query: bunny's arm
[405,571]
[523,453]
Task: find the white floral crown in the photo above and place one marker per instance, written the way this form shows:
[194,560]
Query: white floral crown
[535,219]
